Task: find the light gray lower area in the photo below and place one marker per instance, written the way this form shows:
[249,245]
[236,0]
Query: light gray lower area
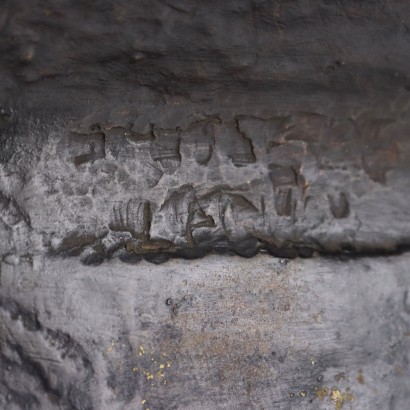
[217,333]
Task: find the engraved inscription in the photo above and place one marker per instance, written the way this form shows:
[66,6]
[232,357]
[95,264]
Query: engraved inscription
[192,187]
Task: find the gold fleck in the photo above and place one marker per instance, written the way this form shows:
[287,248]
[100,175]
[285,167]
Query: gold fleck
[142,351]
[322,393]
[339,399]
[168,364]
[111,347]
[135,369]
[143,401]
[302,393]
[161,366]
[348,396]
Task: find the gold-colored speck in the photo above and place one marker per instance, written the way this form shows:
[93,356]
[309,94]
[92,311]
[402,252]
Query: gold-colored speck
[302,393]
[143,401]
[322,393]
[142,351]
[111,347]
[339,399]
[148,375]
[348,396]
[161,366]
[168,364]
[135,369]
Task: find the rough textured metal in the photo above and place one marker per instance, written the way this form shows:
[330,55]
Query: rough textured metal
[286,132]
[220,333]
[139,131]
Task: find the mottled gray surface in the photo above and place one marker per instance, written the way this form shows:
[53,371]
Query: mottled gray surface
[220,333]
[177,130]
[136,131]
[189,179]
